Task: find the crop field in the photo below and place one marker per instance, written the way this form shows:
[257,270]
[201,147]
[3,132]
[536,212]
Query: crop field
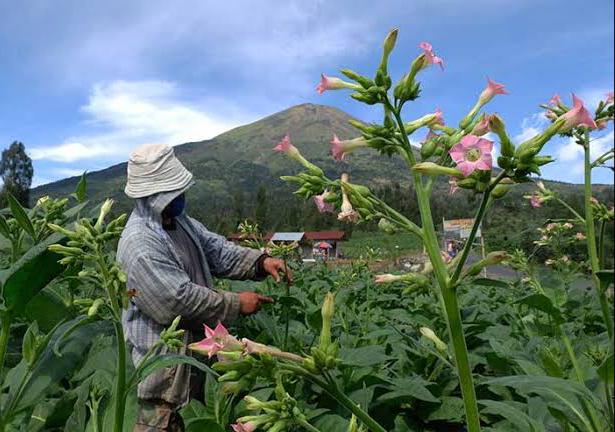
[342,346]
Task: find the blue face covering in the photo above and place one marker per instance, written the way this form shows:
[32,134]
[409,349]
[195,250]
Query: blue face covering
[175,207]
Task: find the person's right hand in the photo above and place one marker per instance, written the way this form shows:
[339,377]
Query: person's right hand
[250,302]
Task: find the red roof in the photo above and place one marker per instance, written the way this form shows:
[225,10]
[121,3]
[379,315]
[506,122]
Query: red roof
[325,235]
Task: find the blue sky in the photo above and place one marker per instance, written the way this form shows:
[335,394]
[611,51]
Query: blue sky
[82,83]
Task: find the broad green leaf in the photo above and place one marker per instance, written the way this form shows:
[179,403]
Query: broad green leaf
[30,274]
[5,231]
[407,389]
[542,303]
[330,423]
[451,409]
[605,371]
[605,277]
[370,355]
[201,425]
[511,413]
[80,191]
[48,309]
[28,344]
[49,368]
[163,361]
[20,215]
[490,282]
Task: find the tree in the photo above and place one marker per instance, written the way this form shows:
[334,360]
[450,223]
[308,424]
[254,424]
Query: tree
[16,172]
[260,209]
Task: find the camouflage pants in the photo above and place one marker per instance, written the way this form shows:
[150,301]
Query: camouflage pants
[158,416]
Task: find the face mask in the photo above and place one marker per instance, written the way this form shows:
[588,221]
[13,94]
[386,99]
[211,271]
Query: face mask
[175,207]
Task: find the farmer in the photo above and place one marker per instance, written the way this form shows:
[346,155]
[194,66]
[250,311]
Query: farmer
[170,260]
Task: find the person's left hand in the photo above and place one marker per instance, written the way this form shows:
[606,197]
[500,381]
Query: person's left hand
[274,266]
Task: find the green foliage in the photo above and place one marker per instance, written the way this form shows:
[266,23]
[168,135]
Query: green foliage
[16,172]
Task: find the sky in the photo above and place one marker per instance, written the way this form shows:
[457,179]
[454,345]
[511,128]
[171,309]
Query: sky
[84,83]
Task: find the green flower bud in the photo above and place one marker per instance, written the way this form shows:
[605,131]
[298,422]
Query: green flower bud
[431,335]
[432,169]
[328,308]
[93,310]
[387,227]
[499,191]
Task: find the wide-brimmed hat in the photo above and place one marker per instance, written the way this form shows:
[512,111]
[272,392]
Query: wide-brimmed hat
[153,168]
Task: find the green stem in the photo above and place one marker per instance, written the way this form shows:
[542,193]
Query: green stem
[601,251]
[334,391]
[448,293]
[305,425]
[120,381]
[5,321]
[591,239]
[287,312]
[573,211]
[579,374]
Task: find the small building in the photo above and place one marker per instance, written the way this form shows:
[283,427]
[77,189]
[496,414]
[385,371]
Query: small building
[326,244]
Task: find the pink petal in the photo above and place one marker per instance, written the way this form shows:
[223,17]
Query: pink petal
[209,333]
[466,167]
[469,142]
[484,145]
[484,163]
[284,145]
[457,153]
[555,99]
[220,330]
[426,46]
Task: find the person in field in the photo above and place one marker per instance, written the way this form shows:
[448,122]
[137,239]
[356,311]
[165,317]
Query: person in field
[170,260]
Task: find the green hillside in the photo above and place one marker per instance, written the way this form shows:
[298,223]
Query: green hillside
[237,176]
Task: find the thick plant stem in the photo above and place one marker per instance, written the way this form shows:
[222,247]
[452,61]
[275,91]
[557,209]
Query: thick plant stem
[590,231]
[449,295]
[342,399]
[120,381]
[5,321]
[579,374]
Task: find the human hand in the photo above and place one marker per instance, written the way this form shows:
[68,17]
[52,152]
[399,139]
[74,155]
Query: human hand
[250,302]
[274,266]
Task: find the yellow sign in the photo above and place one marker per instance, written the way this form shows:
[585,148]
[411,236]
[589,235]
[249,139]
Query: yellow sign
[460,226]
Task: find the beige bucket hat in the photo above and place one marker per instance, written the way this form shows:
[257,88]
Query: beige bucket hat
[152,169]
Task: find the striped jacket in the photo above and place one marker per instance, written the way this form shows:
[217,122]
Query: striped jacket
[163,289]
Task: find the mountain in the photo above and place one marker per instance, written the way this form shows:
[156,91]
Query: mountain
[237,176]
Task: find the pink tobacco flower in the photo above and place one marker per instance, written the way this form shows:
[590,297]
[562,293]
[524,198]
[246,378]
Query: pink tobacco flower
[535,201]
[243,427]
[482,127]
[472,153]
[609,98]
[285,146]
[490,91]
[555,100]
[386,278]
[578,116]
[579,236]
[333,83]
[322,205]
[430,56]
[453,186]
[215,340]
[339,148]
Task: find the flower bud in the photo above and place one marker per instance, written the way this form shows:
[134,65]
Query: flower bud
[328,308]
[499,191]
[93,310]
[497,125]
[433,169]
[492,258]
[431,335]
[389,44]
[387,227]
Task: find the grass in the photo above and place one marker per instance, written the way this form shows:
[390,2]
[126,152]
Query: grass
[380,245]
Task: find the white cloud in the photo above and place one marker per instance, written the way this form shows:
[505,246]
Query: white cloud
[571,153]
[531,126]
[124,114]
